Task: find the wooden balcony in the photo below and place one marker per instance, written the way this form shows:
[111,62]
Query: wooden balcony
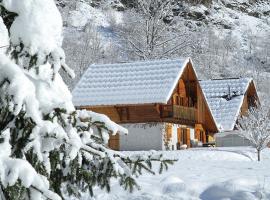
[179,112]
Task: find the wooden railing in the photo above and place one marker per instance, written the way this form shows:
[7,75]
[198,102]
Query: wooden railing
[179,112]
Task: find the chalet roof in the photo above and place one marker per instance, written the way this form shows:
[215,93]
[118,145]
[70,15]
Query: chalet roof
[225,98]
[129,83]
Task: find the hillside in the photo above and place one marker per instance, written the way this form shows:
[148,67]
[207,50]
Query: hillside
[228,38]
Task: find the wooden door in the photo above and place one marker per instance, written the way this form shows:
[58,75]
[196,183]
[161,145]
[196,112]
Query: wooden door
[200,133]
[179,136]
[188,137]
[182,136]
[114,142]
[168,132]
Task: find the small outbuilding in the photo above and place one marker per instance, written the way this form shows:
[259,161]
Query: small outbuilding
[230,139]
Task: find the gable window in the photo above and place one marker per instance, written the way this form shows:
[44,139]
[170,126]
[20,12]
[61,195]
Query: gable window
[182,88]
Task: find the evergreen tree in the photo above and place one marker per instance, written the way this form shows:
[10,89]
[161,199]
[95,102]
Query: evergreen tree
[46,144]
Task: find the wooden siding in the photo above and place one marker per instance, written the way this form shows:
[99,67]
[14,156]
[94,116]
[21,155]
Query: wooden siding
[200,134]
[143,114]
[109,111]
[251,99]
[114,142]
[182,88]
[188,138]
[179,136]
[201,110]
[129,114]
[245,106]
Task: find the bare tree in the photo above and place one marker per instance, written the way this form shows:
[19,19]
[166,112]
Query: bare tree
[255,127]
[83,50]
[205,2]
[148,32]
[213,53]
[91,49]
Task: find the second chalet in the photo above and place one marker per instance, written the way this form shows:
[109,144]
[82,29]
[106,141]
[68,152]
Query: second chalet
[160,102]
[229,99]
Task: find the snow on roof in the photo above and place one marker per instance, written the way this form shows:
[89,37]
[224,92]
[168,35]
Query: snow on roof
[129,83]
[225,98]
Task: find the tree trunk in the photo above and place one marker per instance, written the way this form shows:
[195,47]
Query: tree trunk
[259,155]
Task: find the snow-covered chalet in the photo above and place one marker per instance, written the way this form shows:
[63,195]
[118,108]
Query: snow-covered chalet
[160,102]
[229,99]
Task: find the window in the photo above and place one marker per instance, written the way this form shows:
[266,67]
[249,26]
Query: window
[175,99]
[169,131]
[182,88]
[184,136]
[181,101]
[201,135]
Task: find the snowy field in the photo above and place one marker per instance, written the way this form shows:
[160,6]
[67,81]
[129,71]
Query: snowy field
[206,174]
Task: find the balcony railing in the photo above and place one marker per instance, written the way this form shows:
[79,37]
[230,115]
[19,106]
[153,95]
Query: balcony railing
[179,112]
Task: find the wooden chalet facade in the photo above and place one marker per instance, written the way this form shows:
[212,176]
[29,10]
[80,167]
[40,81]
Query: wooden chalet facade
[251,99]
[160,102]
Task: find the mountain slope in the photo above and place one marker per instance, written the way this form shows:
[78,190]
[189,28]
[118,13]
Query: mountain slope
[229,37]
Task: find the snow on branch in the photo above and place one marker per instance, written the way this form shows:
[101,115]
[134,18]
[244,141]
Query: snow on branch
[255,127]
[12,170]
[45,142]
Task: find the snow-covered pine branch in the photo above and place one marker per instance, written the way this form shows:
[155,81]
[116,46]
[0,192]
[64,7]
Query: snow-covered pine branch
[255,127]
[45,142]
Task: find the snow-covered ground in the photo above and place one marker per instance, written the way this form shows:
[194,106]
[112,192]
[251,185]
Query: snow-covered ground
[207,174]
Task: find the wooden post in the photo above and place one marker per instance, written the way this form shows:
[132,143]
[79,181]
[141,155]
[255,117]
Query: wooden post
[179,136]
[114,142]
[188,137]
[204,136]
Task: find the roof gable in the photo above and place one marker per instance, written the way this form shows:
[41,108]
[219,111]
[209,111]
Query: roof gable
[225,98]
[129,83]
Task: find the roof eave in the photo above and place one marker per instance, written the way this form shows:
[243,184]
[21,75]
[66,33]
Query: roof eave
[183,67]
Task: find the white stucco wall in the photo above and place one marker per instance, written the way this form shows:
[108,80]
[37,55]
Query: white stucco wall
[173,142]
[142,137]
[192,134]
[148,137]
[230,139]
[174,138]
